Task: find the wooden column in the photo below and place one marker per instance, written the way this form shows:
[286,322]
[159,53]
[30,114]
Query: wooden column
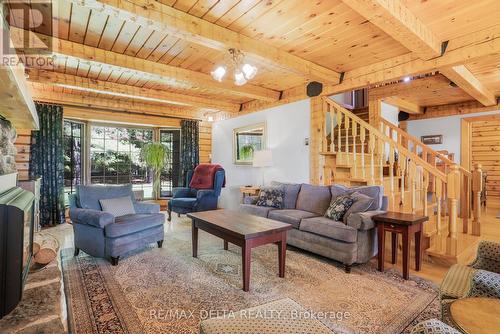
[316,140]
[453,192]
[477,188]
[375,113]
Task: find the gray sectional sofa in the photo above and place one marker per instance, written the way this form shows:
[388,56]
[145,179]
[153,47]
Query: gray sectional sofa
[351,241]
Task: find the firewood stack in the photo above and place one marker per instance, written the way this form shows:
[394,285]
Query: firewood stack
[45,248]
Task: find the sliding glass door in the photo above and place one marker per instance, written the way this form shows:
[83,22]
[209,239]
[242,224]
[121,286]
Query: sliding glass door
[73,155]
[170,175]
[115,157]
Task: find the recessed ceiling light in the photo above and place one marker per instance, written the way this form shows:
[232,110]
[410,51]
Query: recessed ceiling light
[406,79]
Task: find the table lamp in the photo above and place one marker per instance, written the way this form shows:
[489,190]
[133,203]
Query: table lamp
[262,159]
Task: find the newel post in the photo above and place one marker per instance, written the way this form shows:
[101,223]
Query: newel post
[453,192]
[477,188]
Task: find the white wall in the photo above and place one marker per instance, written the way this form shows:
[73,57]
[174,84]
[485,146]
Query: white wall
[449,127]
[390,113]
[287,128]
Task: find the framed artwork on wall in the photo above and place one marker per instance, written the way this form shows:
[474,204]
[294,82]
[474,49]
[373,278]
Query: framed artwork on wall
[247,140]
[432,139]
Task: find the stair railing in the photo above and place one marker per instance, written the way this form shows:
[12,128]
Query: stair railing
[438,160]
[406,167]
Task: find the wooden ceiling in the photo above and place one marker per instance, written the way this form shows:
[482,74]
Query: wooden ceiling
[161,53]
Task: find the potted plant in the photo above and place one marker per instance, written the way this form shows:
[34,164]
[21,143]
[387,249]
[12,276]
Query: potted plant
[155,156]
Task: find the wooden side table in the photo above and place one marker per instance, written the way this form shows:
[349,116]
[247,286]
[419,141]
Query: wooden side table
[249,191]
[476,315]
[405,224]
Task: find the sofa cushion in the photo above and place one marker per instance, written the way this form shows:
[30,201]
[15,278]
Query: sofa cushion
[271,197]
[291,193]
[118,207]
[329,228]
[89,196]
[255,210]
[313,199]
[129,224]
[338,207]
[290,216]
[361,204]
[184,202]
[375,192]
[338,190]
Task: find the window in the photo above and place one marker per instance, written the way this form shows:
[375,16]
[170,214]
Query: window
[73,166]
[170,175]
[246,141]
[115,157]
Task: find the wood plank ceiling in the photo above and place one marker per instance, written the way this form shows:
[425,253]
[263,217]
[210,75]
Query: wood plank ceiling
[324,36]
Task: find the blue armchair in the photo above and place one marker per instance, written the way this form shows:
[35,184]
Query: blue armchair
[100,234]
[185,200]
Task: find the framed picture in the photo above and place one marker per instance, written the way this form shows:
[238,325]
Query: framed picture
[247,140]
[432,139]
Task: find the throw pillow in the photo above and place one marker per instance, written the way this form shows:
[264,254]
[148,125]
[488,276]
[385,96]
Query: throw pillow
[271,197]
[361,204]
[338,207]
[118,207]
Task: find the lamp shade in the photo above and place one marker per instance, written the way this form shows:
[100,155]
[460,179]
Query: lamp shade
[262,158]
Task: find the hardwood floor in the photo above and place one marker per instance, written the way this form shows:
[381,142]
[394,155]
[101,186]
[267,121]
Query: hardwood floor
[432,269]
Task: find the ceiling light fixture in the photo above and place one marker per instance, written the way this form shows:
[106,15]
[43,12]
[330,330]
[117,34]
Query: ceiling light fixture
[406,79]
[235,61]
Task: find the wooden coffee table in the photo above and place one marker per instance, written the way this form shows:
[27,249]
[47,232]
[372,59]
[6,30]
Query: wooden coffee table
[246,231]
[476,315]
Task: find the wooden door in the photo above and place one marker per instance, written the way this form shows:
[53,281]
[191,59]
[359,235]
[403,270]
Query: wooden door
[485,146]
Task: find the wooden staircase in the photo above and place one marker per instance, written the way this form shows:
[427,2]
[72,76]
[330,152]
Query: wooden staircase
[356,153]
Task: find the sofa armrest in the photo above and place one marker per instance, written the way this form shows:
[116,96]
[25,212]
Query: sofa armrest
[140,207]
[200,194]
[485,284]
[250,199]
[181,192]
[91,217]
[362,220]
[488,256]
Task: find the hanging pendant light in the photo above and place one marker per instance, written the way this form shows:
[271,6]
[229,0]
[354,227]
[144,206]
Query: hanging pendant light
[234,61]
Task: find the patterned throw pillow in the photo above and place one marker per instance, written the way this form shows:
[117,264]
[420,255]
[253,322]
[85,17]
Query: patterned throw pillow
[271,197]
[338,207]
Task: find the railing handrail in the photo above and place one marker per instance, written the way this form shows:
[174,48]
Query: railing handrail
[441,156]
[431,169]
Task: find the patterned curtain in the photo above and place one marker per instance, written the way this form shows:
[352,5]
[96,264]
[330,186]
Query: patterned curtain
[190,151]
[46,160]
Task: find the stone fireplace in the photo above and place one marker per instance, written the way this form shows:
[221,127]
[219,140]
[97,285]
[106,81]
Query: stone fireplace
[7,148]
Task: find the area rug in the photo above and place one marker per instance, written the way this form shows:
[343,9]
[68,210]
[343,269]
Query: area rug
[168,291]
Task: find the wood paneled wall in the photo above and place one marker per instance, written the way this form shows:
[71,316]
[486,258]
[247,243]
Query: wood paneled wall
[23,152]
[485,147]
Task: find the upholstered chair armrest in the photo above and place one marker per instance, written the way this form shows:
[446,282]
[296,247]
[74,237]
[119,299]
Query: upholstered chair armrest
[485,284]
[488,256]
[181,192]
[433,326]
[250,199]
[204,193]
[91,217]
[141,207]
[72,201]
[362,220]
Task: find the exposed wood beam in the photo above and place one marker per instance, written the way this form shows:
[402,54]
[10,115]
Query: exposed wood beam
[111,88]
[464,79]
[176,76]
[44,93]
[463,108]
[287,96]
[161,17]
[404,105]
[396,20]
[460,51]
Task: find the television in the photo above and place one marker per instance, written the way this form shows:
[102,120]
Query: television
[16,244]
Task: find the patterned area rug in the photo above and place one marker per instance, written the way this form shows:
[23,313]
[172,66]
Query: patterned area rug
[168,291]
